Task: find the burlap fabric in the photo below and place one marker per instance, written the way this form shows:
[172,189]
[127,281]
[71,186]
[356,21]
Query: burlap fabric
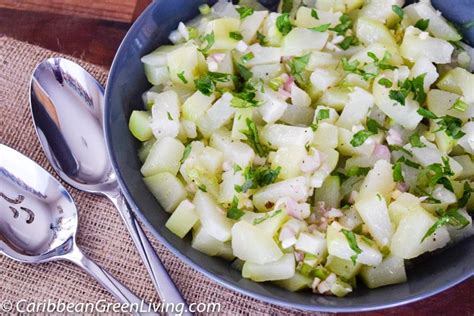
[102,235]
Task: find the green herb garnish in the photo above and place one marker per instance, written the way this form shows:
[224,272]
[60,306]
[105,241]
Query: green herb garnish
[385,82]
[397,173]
[207,83]
[345,23]
[256,177]
[321,28]
[415,85]
[254,139]
[187,151]
[460,105]
[244,72]
[351,239]
[415,141]
[348,42]
[297,67]
[262,40]
[314,14]
[357,171]
[245,12]
[234,212]
[247,57]
[360,137]
[466,195]
[259,220]
[236,35]
[182,77]
[202,187]
[283,24]
[398,11]
[422,24]
[450,217]
[210,39]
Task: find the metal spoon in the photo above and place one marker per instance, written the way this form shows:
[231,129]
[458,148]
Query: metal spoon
[67,106]
[39,221]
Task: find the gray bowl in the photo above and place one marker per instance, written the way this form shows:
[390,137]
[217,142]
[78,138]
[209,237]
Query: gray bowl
[125,85]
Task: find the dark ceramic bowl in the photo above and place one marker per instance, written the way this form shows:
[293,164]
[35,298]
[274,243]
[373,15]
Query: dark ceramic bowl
[125,85]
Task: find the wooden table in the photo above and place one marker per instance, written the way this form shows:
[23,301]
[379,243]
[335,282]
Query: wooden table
[93,30]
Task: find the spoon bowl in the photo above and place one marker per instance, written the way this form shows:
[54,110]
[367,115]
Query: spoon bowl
[67,107]
[39,220]
[66,102]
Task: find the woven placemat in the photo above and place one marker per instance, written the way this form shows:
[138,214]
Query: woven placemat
[102,235]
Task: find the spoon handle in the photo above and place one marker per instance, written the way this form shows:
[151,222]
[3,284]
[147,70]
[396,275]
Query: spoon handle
[117,289]
[167,290]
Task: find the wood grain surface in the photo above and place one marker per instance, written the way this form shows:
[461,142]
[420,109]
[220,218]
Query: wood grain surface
[93,29]
[115,10]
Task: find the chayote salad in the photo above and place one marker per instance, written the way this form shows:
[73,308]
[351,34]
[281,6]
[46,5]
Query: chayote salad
[327,142]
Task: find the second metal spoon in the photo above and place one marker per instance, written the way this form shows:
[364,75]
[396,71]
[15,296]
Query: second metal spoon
[67,106]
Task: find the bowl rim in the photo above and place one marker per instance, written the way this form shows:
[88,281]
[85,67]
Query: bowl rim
[195,265]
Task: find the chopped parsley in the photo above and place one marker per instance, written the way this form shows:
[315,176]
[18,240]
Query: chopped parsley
[351,239]
[262,40]
[415,141]
[169,116]
[247,57]
[348,42]
[466,195]
[256,177]
[398,11]
[451,126]
[422,24]
[353,67]
[415,85]
[210,39]
[450,217]
[358,69]
[436,174]
[187,151]
[400,148]
[283,24]
[408,162]
[345,23]
[267,215]
[202,187]
[322,115]
[397,173]
[314,14]
[360,137]
[357,171]
[254,139]
[236,35]
[244,72]
[460,105]
[207,83]
[234,212]
[182,77]
[297,67]
[245,12]
[321,28]
[427,113]
[246,97]
[385,82]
